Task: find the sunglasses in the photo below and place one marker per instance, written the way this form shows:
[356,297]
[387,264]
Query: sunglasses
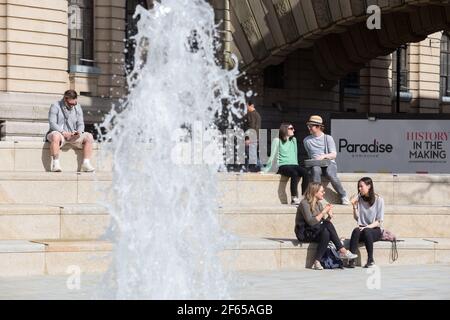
[71,103]
[290,128]
[311,126]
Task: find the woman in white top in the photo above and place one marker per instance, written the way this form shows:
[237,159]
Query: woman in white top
[368,210]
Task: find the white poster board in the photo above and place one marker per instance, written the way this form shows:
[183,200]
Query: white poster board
[394,146]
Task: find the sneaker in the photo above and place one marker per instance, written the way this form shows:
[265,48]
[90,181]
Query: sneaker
[369,264]
[317,266]
[87,167]
[348,255]
[56,167]
[345,201]
[295,201]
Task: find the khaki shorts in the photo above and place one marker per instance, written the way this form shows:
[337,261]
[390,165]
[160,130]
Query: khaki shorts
[78,142]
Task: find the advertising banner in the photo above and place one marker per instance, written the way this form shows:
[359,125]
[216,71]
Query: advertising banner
[392,145]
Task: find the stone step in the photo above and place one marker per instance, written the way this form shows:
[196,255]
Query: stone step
[20,258]
[262,254]
[66,221]
[34,156]
[52,187]
[254,189]
[279,221]
[52,257]
[236,189]
[90,221]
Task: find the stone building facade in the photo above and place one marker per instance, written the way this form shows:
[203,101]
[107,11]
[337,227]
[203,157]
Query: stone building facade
[299,57]
[49,46]
[319,56]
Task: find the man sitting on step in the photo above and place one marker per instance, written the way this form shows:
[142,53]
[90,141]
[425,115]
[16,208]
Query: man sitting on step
[321,146]
[67,126]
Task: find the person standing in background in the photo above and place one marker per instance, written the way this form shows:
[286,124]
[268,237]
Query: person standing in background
[252,121]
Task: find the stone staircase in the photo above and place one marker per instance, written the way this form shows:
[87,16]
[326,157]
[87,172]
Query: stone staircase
[50,221]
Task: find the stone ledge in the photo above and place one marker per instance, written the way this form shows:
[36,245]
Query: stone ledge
[344,177]
[337,209]
[74,245]
[52,209]
[29,209]
[83,209]
[56,176]
[20,246]
[38,145]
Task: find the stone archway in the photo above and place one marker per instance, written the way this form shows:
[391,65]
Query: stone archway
[265,32]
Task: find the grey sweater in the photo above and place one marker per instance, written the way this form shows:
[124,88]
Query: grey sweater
[61,118]
[367,215]
[304,213]
[305,220]
[317,146]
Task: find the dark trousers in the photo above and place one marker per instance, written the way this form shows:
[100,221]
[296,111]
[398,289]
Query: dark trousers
[326,234]
[368,236]
[295,172]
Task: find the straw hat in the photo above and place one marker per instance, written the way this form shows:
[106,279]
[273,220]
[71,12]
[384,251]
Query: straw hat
[315,120]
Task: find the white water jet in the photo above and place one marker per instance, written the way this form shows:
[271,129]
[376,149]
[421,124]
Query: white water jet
[167,235]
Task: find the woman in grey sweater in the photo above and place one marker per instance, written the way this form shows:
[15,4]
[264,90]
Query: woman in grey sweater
[313,224]
[368,210]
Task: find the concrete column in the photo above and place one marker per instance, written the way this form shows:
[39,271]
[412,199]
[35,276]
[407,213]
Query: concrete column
[3,24]
[109,47]
[429,69]
[33,49]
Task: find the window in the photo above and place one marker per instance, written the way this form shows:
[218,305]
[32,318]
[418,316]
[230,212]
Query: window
[351,81]
[131,30]
[274,76]
[445,65]
[403,52]
[81,37]
[349,85]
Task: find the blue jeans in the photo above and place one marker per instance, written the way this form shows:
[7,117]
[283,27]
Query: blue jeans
[331,173]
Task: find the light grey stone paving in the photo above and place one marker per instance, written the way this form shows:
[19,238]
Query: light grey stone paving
[396,282]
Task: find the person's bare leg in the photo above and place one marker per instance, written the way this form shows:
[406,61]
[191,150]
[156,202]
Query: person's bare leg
[87,153]
[87,147]
[55,142]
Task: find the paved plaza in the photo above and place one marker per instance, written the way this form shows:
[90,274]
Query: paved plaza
[395,282]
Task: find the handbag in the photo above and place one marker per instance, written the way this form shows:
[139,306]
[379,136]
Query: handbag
[319,163]
[389,236]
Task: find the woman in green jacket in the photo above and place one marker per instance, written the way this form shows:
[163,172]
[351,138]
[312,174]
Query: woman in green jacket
[284,149]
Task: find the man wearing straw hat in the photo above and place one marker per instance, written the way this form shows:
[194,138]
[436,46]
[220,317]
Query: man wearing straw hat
[321,149]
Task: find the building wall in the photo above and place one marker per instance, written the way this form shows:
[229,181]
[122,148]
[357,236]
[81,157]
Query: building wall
[2,45]
[303,89]
[109,47]
[34,46]
[428,56]
[34,53]
[34,62]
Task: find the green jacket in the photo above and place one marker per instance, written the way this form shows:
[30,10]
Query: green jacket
[285,152]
